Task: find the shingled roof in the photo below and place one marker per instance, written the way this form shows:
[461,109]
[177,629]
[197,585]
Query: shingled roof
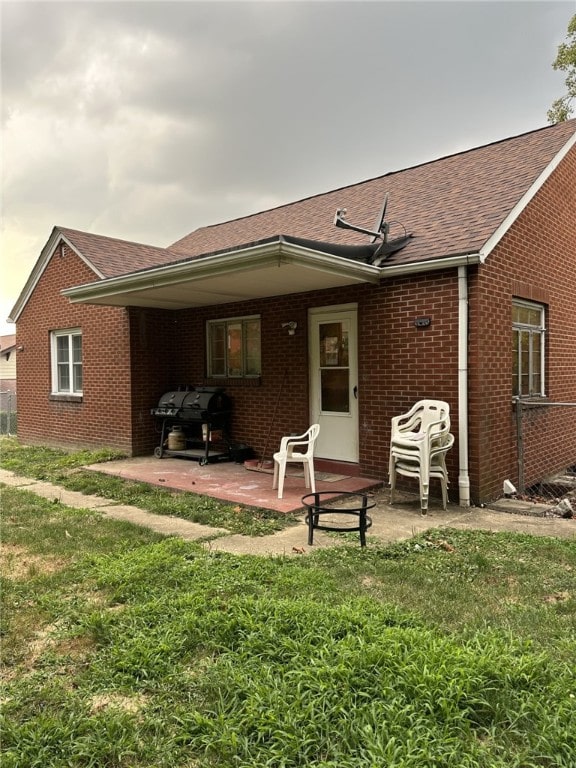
[451,205]
[110,256]
[455,208]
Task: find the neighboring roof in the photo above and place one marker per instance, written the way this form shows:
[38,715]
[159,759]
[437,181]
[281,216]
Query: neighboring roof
[452,205]
[7,343]
[455,207]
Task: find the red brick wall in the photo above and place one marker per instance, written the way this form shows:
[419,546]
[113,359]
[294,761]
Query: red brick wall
[266,409]
[402,363]
[103,416]
[535,260]
[155,361]
[132,356]
[398,363]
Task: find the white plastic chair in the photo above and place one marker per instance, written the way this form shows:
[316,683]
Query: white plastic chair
[303,455]
[419,442]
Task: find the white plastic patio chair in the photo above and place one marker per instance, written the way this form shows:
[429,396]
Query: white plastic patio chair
[419,442]
[303,455]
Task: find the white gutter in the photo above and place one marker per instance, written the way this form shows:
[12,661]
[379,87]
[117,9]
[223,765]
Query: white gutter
[252,257]
[430,265]
[463,476]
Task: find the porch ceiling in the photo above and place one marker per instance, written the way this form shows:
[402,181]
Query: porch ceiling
[271,269]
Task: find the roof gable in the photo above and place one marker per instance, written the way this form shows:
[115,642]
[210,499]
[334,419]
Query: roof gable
[105,256]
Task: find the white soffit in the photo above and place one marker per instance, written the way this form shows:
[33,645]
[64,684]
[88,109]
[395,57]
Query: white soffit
[271,269]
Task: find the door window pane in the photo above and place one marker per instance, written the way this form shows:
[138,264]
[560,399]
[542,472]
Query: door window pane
[335,391]
[333,345]
[334,367]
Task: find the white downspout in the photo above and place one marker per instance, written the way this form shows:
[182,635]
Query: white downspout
[463,476]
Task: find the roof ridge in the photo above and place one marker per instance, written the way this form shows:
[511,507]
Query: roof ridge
[371,179]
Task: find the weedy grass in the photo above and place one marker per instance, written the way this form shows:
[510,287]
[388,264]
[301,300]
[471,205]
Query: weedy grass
[50,464]
[66,469]
[128,650]
[468,580]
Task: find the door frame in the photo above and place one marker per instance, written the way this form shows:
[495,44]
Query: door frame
[335,312]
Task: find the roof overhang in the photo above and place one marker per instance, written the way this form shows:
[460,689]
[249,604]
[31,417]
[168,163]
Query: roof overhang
[274,268]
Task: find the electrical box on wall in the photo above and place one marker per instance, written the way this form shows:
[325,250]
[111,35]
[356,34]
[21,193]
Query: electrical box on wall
[422,322]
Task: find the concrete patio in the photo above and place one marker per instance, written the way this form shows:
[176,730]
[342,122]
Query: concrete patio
[235,483]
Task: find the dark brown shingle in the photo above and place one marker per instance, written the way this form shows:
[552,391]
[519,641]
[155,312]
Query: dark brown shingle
[112,256]
[452,206]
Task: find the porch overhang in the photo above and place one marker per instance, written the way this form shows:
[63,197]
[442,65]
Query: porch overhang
[265,269]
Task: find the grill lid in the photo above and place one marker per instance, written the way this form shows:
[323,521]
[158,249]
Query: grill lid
[195,404]
[177,400]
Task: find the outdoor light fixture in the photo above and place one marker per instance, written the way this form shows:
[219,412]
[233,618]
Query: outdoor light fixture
[292,325]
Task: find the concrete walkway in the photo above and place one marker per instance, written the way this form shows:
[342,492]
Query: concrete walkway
[389,523]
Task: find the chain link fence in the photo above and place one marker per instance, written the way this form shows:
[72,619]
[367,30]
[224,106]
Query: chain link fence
[546,444]
[8,418]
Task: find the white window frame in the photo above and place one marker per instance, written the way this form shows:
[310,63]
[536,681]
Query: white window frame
[534,366]
[70,333]
[225,323]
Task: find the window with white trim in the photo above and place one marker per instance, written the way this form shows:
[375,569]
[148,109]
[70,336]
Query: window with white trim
[66,355]
[233,347]
[528,331]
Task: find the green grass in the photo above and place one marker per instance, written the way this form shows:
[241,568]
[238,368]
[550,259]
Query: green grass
[468,580]
[124,649]
[66,469]
[48,464]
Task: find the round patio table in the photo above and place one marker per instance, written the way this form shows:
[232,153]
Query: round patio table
[315,504]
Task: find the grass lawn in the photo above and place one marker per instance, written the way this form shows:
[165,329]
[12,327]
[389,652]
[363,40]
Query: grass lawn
[66,469]
[125,649]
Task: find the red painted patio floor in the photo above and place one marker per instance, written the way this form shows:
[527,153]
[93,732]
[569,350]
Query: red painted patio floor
[233,482]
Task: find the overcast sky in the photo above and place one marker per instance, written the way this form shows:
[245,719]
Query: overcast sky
[145,120]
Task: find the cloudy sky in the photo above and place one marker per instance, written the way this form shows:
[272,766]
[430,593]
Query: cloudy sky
[145,120]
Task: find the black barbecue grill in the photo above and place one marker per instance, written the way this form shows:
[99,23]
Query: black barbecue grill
[199,418]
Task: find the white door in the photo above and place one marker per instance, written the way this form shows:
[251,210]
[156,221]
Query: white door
[334,381]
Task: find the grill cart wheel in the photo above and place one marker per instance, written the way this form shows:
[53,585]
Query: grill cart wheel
[158,452]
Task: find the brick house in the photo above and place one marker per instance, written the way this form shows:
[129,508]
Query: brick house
[466,293]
